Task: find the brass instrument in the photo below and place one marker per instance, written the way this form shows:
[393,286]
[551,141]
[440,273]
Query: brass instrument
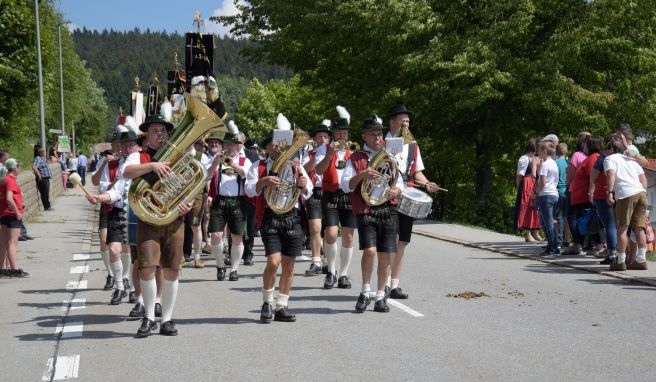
[155,201]
[346,145]
[226,160]
[283,198]
[406,135]
[374,190]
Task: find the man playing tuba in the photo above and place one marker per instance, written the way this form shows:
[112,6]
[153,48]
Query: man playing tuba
[376,224]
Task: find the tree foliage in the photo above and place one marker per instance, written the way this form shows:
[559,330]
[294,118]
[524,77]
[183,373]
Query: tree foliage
[481,75]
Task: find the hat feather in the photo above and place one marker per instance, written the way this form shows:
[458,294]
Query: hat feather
[326,122]
[121,129]
[282,122]
[166,110]
[377,119]
[343,113]
[232,127]
[131,123]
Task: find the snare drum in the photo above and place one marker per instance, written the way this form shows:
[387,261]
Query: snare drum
[414,203]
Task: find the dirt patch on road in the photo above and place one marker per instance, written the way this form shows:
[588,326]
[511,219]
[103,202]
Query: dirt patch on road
[467,295]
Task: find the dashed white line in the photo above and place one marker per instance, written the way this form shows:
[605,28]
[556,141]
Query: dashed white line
[70,330]
[79,269]
[64,368]
[76,285]
[404,308]
[75,304]
[80,256]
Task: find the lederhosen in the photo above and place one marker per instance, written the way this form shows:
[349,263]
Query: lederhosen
[226,209]
[335,203]
[169,237]
[406,222]
[377,224]
[280,232]
[114,215]
[313,204]
[102,215]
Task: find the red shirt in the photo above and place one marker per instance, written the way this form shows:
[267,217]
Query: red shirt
[581,181]
[9,183]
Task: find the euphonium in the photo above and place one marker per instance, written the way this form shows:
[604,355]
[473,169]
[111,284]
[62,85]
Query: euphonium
[155,201]
[283,198]
[374,191]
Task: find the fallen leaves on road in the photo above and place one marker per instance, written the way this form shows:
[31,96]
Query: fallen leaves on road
[467,295]
[516,293]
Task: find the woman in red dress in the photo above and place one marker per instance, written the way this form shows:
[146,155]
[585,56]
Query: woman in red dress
[527,217]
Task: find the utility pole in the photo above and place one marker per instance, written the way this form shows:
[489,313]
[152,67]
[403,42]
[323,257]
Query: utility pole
[61,83]
[38,59]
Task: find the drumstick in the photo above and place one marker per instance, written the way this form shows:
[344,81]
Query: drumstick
[423,185]
[77,180]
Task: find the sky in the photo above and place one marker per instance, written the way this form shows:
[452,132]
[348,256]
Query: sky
[158,15]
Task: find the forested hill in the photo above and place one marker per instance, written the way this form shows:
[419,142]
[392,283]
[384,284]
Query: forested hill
[116,58]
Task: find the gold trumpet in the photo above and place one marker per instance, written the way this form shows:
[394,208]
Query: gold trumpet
[226,160]
[346,145]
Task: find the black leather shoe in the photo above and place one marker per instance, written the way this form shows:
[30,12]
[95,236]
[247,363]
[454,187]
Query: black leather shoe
[126,284]
[138,311]
[248,260]
[117,297]
[330,281]
[397,294]
[344,283]
[608,260]
[133,297]
[158,309]
[234,276]
[314,270]
[266,314]
[381,306]
[324,270]
[284,316]
[109,283]
[168,329]
[220,274]
[28,237]
[22,238]
[362,303]
[146,328]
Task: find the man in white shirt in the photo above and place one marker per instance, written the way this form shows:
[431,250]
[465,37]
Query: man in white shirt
[627,185]
[281,233]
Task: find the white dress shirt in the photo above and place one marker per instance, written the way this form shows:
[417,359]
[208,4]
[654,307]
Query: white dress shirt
[253,176]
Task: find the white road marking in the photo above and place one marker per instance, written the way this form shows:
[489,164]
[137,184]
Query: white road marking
[404,308]
[71,329]
[76,285]
[80,256]
[80,269]
[76,303]
[65,368]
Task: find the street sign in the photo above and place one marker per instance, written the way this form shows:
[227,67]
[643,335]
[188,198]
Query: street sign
[64,145]
[55,131]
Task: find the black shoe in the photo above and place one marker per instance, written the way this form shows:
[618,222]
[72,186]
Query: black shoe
[314,270]
[608,260]
[234,276]
[362,303]
[117,297]
[109,283]
[158,309]
[324,270]
[168,329]
[266,314]
[344,283]
[126,284]
[18,273]
[22,238]
[28,237]
[220,274]
[138,311]
[387,292]
[397,294]
[284,316]
[381,306]
[248,260]
[133,297]
[146,328]
[330,281]
[187,257]
[4,273]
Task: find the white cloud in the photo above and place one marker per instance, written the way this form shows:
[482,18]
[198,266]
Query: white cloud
[227,8]
[72,27]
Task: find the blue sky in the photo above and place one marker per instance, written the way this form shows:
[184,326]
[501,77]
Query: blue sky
[157,15]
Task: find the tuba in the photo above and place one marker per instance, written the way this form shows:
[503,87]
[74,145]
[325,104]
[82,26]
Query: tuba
[155,201]
[283,198]
[373,191]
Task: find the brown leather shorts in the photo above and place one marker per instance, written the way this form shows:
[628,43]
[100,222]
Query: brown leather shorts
[160,245]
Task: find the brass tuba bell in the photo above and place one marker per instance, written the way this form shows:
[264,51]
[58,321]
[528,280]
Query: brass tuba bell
[374,191]
[283,198]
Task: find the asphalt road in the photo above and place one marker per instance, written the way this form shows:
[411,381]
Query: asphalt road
[537,322]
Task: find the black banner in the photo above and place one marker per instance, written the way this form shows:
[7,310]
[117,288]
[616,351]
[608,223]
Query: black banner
[153,100]
[175,83]
[199,56]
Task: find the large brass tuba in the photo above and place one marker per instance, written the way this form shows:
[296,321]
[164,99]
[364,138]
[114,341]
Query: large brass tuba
[155,201]
[283,198]
[374,191]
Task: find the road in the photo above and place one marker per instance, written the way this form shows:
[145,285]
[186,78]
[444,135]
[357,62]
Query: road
[536,322]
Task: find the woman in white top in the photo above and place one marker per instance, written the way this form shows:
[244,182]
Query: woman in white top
[547,194]
[526,217]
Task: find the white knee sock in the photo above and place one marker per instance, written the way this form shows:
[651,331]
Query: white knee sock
[197,252]
[169,293]
[267,295]
[621,257]
[330,250]
[217,252]
[380,295]
[149,293]
[126,259]
[117,269]
[395,283]
[105,258]
[641,256]
[316,260]
[282,300]
[235,254]
[389,281]
[345,256]
[366,289]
